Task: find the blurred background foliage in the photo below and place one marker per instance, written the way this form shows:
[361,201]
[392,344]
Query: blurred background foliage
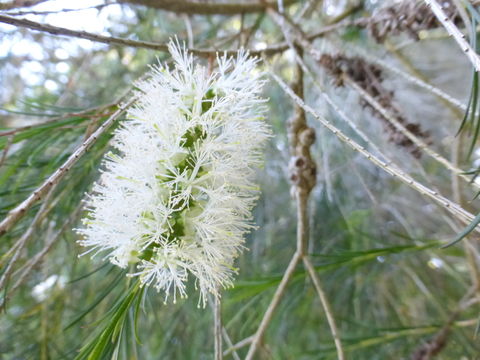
[375,242]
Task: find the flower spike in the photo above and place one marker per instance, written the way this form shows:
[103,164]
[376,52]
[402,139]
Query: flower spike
[176,193]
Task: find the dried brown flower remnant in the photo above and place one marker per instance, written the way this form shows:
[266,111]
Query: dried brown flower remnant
[369,78]
[356,68]
[409,17]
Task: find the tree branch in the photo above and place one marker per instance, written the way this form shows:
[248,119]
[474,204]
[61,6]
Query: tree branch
[209,8]
[20,4]
[55,30]
[267,317]
[61,11]
[301,138]
[453,31]
[111,40]
[239,345]
[326,306]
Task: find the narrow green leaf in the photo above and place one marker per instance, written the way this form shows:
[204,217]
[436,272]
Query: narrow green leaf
[98,347]
[99,299]
[464,232]
[136,314]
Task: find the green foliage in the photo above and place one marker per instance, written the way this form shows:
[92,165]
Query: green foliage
[375,244]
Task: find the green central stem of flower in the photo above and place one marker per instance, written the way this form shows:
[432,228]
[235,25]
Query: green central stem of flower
[185,166]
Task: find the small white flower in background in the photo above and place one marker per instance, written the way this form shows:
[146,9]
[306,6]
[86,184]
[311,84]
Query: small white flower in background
[43,290]
[176,194]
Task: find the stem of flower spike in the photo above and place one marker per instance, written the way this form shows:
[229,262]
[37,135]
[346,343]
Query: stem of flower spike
[217,315]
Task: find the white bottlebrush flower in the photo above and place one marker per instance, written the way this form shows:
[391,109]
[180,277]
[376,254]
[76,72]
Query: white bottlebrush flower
[176,194]
[44,289]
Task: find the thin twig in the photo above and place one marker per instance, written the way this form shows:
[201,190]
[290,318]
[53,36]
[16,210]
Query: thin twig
[428,350]
[228,341]
[217,316]
[20,244]
[6,149]
[58,118]
[188,27]
[20,210]
[453,31]
[239,345]
[251,31]
[308,8]
[267,317]
[26,270]
[421,80]
[224,332]
[326,306]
